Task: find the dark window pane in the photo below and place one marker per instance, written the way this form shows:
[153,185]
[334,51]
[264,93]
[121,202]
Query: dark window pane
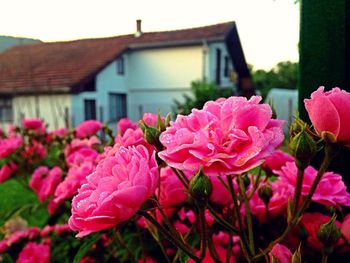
[120,66]
[6,111]
[90,109]
[226,69]
[218,66]
[117,106]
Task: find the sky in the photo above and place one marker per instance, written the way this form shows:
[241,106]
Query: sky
[268,29]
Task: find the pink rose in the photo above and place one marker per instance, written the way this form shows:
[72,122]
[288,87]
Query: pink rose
[9,145]
[124,124]
[80,156]
[88,128]
[277,160]
[6,170]
[151,119]
[115,191]
[45,181]
[76,176]
[34,253]
[34,124]
[172,191]
[345,228]
[329,111]
[281,253]
[228,136]
[311,222]
[220,195]
[35,150]
[330,191]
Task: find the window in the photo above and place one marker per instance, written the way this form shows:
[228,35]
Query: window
[218,66]
[6,113]
[120,66]
[227,67]
[90,109]
[117,106]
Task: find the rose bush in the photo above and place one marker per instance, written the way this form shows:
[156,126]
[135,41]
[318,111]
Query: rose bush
[119,192]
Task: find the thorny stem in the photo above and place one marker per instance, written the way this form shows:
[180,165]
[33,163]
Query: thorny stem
[245,245]
[248,215]
[168,235]
[329,155]
[298,188]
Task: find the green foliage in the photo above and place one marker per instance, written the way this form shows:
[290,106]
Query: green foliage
[201,93]
[284,75]
[86,246]
[15,199]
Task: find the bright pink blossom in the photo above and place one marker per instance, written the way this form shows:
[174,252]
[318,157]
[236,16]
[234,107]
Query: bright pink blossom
[115,191]
[81,156]
[220,195]
[77,144]
[172,191]
[88,128]
[151,119]
[34,253]
[277,160]
[124,124]
[34,124]
[9,145]
[281,253]
[329,111]
[228,136]
[311,222]
[76,176]
[45,181]
[6,170]
[331,191]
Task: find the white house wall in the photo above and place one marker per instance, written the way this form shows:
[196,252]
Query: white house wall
[51,108]
[107,81]
[158,76]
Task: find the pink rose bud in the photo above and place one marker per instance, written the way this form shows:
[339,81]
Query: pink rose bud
[329,112]
[280,253]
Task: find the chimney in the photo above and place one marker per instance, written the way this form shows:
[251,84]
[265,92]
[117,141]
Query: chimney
[138,32]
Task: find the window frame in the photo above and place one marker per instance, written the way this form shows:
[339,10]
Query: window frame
[120,64]
[124,106]
[6,104]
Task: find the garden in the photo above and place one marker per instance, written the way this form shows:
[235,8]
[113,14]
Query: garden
[221,184]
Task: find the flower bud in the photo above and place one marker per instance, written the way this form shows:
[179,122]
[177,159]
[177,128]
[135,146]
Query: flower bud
[265,193]
[200,187]
[296,258]
[151,135]
[329,233]
[303,147]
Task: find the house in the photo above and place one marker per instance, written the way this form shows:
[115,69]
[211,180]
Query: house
[68,82]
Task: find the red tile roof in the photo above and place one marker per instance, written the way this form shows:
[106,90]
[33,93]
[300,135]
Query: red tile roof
[59,66]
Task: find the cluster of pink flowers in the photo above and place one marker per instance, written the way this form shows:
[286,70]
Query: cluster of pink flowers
[146,174]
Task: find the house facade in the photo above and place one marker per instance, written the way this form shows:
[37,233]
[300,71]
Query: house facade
[66,83]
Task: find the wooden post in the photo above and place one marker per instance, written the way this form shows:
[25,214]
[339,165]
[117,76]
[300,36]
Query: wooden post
[325,56]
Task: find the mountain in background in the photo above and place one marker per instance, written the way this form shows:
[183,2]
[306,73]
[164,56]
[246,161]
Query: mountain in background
[7,41]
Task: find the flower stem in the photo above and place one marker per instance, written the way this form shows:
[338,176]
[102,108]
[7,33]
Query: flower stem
[221,220]
[248,215]
[298,188]
[168,235]
[203,233]
[330,152]
[242,234]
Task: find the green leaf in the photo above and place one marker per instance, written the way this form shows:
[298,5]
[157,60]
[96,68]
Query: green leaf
[14,197]
[6,258]
[86,246]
